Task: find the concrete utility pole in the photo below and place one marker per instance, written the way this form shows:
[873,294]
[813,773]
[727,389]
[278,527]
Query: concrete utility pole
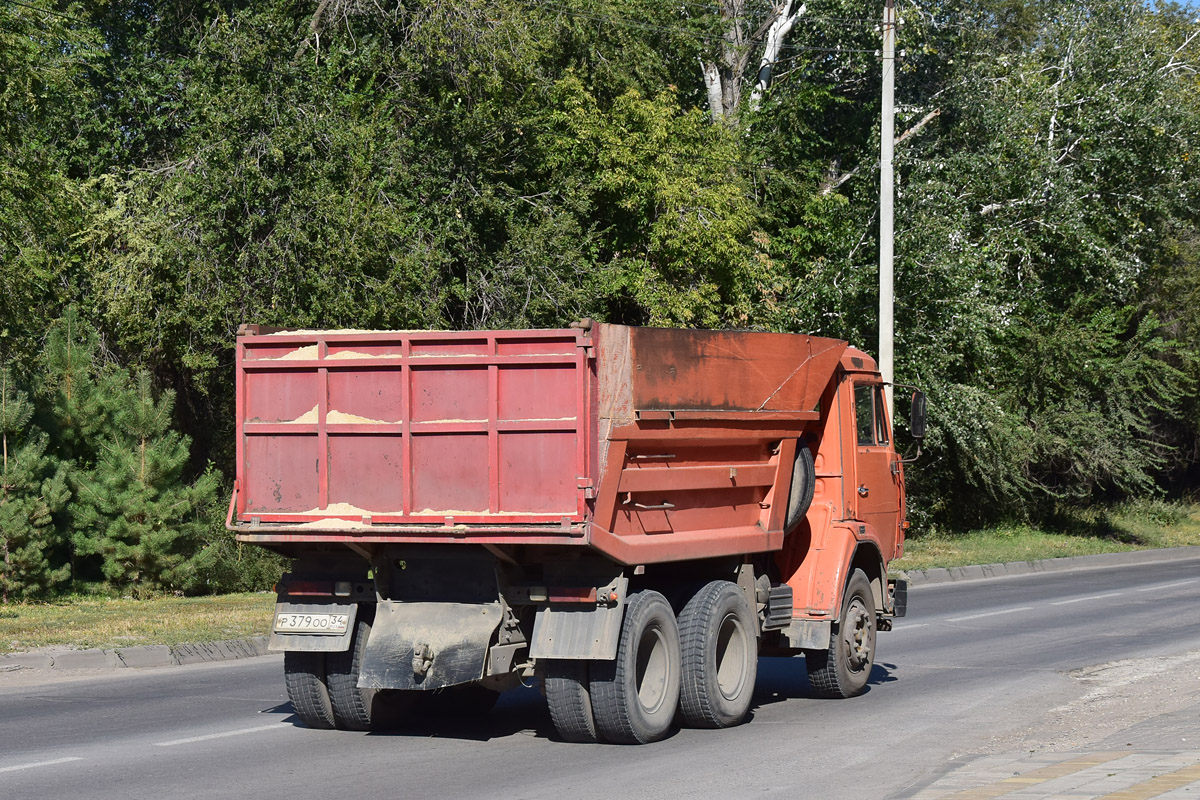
[887,133]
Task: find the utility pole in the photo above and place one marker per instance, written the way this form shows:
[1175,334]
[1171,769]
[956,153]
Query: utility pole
[887,133]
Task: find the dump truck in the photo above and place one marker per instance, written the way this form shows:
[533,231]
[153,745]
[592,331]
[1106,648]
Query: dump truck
[631,516]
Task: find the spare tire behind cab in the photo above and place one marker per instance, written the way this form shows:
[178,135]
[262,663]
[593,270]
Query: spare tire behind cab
[804,479]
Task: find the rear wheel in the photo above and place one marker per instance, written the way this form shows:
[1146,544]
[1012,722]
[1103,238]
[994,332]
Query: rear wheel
[304,674]
[635,696]
[843,669]
[719,657]
[569,698]
[354,708]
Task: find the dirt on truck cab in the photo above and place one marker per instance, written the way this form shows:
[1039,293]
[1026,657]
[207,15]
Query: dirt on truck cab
[632,515]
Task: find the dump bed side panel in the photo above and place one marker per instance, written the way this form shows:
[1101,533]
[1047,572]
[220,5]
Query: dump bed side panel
[698,436]
[353,430]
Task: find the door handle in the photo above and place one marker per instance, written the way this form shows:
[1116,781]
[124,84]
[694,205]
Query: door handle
[863,491]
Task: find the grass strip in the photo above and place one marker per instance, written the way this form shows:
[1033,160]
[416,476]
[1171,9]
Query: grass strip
[115,623]
[1136,526]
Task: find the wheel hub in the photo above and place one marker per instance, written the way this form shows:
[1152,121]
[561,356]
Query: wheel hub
[858,636]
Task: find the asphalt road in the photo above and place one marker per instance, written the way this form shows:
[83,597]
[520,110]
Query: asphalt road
[973,660]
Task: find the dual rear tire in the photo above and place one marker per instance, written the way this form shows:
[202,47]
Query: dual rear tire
[323,687]
[720,657]
[701,665]
[568,694]
[304,674]
[635,696]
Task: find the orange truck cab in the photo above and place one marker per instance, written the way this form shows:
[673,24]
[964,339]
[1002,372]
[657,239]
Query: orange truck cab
[632,515]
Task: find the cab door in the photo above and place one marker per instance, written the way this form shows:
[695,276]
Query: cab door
[877,484]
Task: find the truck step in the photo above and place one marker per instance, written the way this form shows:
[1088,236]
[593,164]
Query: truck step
[899,591]
[779,607]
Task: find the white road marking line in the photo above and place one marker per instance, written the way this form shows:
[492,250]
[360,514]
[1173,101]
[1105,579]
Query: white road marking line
[1165,586]
[278,726]
[990,614]
[40,764]
[907,627]
[1084,599]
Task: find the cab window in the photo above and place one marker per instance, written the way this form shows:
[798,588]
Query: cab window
[864,412]
[870,418]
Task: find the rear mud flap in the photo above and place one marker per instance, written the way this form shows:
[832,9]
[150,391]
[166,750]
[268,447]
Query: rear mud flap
[428,645]
[577,633]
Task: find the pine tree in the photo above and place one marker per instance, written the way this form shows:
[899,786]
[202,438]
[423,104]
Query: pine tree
[79,403]
[82,409]
[32,487]
[134,511]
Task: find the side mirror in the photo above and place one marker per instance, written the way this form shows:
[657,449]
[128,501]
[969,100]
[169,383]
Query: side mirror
[916,424]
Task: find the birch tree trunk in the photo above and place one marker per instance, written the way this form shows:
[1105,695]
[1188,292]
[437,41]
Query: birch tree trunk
[723,77]
[780,27]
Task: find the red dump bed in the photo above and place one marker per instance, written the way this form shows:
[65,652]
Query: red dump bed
[600,435]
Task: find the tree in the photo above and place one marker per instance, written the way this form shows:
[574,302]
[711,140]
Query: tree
[1058,173]
[672,220]
[32,489]
[179,169]
[44,58]
[80,410]
[133,510]
[725,75]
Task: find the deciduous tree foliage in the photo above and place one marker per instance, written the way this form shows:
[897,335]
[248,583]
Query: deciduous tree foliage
[45,55]
[177,170]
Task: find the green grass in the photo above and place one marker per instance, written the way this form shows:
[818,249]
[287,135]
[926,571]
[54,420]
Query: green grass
[113,623]
[1135,526]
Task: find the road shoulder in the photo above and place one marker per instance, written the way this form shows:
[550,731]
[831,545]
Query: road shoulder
[1133,733]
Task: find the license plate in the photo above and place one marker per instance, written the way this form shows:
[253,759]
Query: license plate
[332,624]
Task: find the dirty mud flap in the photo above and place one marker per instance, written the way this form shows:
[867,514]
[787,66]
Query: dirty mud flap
[809,634]
[425,645]
[577,633]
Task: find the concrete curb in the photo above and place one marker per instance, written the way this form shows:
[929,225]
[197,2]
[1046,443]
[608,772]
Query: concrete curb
[136,657]
[924,577]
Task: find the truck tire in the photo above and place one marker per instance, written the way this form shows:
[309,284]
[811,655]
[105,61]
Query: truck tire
[635,696]
[569,698]
[804,483]
[719,654]
[352,706]
[843,669]
[304,674]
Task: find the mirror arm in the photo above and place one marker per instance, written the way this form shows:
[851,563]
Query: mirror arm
[908,460]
